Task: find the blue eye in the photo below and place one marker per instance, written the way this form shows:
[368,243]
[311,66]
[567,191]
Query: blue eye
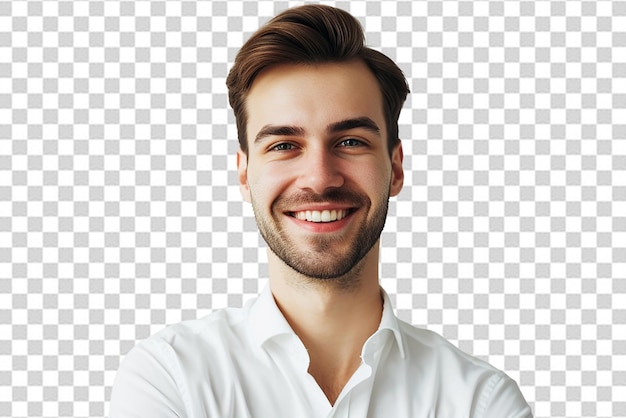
[282,147]
[351,142]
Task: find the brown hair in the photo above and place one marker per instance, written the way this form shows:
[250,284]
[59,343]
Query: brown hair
[313,34]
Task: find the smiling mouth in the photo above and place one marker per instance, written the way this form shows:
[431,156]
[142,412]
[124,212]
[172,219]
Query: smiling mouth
[321,215]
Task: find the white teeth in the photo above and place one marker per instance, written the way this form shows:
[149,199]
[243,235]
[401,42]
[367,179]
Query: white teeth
[321,216]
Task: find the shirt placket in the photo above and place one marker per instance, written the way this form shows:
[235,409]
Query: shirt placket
[353,402]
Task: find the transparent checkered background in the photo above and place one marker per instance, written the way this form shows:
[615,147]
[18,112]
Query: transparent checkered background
[120,211]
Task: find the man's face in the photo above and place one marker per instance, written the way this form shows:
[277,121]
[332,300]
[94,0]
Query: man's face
[318,171]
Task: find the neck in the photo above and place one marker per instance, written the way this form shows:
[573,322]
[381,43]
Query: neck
[332,317]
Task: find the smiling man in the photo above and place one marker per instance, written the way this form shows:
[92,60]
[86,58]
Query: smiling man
[318,172]
[317,115]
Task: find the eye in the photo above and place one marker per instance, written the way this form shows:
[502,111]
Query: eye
[283,146]
[351,142]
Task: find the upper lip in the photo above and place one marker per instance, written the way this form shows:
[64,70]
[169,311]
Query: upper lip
[320,207]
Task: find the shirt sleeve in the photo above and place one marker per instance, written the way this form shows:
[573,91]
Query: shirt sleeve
[144,387]
[501,398]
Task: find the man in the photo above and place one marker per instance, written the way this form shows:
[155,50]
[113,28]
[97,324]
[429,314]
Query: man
[317,115]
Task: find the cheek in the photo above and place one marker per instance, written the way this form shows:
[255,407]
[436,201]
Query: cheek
[266,182]
[374,179]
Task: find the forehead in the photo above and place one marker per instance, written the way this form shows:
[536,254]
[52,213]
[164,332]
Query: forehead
[313,96]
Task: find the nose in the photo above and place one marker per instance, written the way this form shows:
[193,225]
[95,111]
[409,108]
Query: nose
[319,171]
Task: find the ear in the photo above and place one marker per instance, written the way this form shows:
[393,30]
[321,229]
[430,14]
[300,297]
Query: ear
[397,172]
[242,170]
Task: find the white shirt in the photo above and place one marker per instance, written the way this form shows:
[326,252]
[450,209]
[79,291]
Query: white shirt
[248,362]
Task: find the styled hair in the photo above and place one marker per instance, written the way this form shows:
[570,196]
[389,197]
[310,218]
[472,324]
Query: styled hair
[313,34]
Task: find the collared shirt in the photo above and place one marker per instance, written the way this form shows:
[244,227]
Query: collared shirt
[248,362]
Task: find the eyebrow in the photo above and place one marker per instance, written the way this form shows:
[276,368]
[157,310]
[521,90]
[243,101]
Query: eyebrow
[344,125]
[273,130]
[354,123]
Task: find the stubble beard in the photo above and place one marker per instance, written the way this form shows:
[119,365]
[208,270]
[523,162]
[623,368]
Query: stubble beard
[319,262]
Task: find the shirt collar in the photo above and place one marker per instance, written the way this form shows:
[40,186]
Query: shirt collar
[267,321]
[390,321]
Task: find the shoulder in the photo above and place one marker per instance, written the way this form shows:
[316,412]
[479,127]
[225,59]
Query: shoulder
[160,373]
[191,343]
[220,323]
[461,377]
[420,342]
[199,334]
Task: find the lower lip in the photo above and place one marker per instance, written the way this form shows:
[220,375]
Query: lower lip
[322,227]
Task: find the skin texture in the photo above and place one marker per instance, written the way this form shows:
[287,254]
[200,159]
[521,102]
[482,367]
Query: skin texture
[303,155]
